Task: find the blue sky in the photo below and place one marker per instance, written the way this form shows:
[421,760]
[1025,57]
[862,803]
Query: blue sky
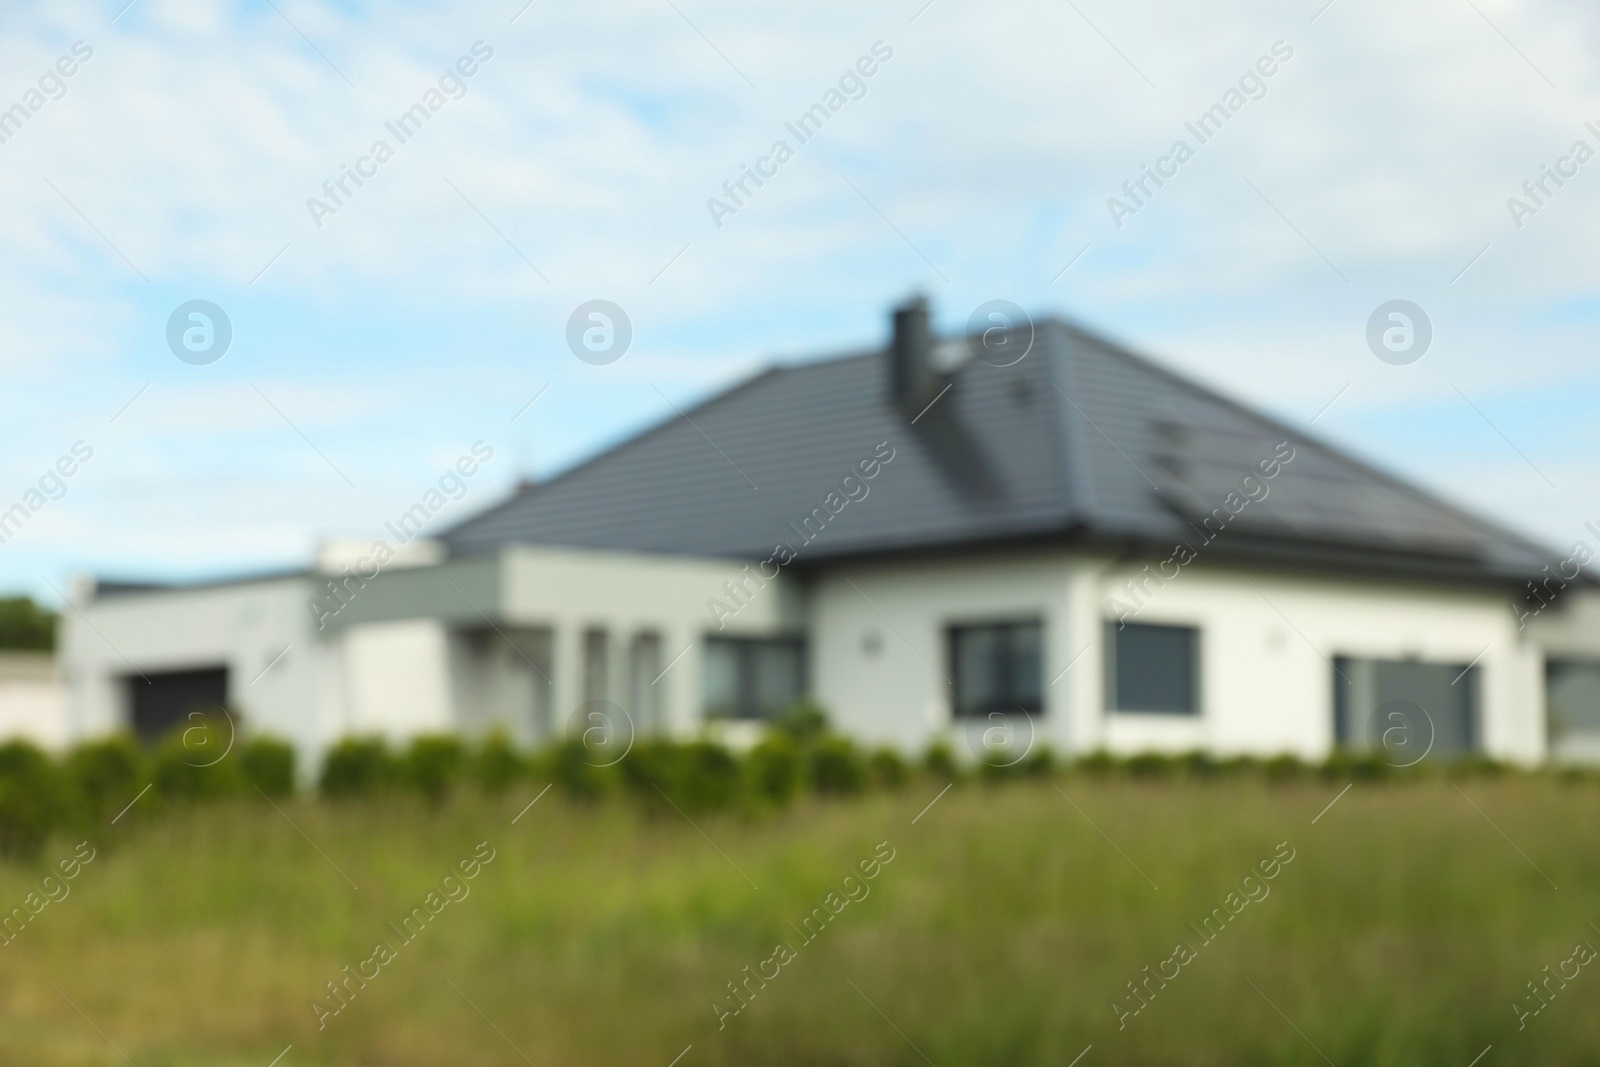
[424,315]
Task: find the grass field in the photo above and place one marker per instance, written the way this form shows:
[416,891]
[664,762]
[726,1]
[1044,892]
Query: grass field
[1002,931]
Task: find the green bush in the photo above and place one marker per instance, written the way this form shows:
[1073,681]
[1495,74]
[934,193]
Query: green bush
[1040,763]
[886,769]
[1284,768]
[35,799]
[1347,765]
[774,770]
[940,762]
[1150,765]
[1098,764]
[652,770]
[698,776]
[1203,765]
[268,764]
[107,774]
[196,762]
[357,766]
[577,772]
[805,722]
[710,777]
[432,765]
[498,765]
[834,766]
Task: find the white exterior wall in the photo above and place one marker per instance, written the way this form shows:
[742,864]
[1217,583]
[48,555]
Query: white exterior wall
[242,627]
[396,682]
[900,694]
[1266,645]
[572,590]
[33,704]
[1265,677]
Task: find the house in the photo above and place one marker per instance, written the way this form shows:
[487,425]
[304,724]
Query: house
[1023,537]
[32,699]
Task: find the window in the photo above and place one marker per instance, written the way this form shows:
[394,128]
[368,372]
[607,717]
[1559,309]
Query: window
[752,678]
[1572,695]
[1404,710]
[159,702]
[1153,668]
[997,668]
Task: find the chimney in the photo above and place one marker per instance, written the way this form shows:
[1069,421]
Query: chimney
[912,378]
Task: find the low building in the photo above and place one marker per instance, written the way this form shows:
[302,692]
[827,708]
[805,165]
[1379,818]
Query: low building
[1026,537]
[33,705]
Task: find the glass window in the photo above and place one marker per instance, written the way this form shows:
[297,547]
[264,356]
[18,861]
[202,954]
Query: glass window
[1153,668]
[752,678]
[1572,690]
[1405,710]
[997,667]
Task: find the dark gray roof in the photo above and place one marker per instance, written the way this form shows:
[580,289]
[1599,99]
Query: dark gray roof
[1080,440]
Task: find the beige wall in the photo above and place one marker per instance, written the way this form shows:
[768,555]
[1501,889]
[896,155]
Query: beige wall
[33,704]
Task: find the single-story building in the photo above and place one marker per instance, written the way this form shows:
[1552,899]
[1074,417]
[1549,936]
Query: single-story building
[33,704]
[1026,534]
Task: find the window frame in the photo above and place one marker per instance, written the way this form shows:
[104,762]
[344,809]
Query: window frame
[955,629]
[1112,701]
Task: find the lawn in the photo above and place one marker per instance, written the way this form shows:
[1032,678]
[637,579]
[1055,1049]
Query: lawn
[1001,926]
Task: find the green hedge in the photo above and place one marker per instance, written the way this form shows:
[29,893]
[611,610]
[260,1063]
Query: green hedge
[101,780]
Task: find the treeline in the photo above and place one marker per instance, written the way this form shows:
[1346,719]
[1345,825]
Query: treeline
[98,781]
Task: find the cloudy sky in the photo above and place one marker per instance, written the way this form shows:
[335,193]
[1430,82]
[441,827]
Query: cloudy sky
[373,344]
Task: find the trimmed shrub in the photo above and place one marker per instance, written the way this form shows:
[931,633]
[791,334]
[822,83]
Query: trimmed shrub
[653,767]
[1366,767]
[1284,768]
[709,777]
[886,769]
[698,776]
[576,773]
[268,764]
[198,761]
[498,765]
[805,722]
[1150,765]
[357,766]
[940,761]
[35,799]
[773,768]
[432,765]
[1203,765]
[107,775]
[834,766]
[1099,764]
[1040,763]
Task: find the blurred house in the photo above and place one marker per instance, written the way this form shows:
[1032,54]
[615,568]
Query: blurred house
[1026,536]
[33,704]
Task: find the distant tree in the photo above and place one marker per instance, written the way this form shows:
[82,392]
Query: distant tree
[25,625]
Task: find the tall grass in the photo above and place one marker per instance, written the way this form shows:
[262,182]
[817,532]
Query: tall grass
[1008,922]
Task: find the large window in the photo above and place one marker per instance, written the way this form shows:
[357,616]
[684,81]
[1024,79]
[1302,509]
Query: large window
[1153,669]
[751,678]
[1405,710]
[159,702]
[997,667]
[1572,695]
